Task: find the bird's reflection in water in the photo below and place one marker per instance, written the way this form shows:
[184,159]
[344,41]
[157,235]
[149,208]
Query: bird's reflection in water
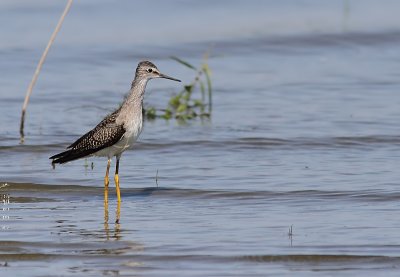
[117,228]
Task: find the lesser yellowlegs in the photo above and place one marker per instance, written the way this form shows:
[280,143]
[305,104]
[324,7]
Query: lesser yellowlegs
[117,131]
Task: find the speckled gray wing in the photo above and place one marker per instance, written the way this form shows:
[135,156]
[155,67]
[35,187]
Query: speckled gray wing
[105,134]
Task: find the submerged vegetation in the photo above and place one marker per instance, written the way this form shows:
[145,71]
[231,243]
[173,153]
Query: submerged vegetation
[193,101]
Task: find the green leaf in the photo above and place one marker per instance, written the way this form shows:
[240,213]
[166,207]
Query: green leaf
[182,108]
[198,103]
[207,73]
[183,62]
[167,115]
[151,113]
[175,101]
[189,88]
[187,96]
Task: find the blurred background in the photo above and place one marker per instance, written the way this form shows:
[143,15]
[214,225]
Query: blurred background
[303,134]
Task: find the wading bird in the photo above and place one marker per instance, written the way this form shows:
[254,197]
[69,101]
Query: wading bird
[116,132]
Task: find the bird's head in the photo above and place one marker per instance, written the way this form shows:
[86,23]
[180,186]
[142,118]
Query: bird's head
[148,70]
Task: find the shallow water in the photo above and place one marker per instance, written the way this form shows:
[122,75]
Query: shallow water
[304,135]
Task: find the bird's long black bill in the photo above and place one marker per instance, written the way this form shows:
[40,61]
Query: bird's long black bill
[168,77]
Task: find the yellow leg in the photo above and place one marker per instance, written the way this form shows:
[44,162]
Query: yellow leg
[118,197]
[106,182]
[116,179]
[118,216]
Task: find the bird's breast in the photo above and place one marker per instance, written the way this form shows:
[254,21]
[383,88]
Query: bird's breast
[133,130]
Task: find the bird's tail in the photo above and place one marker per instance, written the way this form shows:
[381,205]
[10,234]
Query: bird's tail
[67,156]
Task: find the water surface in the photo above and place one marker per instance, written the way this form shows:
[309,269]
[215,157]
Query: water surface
[303,135]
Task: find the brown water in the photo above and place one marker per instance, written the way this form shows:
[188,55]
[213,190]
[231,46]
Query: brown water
[304,135]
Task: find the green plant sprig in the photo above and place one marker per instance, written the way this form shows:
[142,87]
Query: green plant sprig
[187,104]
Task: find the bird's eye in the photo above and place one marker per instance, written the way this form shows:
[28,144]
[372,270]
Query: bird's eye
[149,70]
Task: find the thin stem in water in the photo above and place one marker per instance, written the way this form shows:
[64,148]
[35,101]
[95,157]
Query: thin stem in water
[39,67]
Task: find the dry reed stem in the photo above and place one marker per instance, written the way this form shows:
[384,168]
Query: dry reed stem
[39,67]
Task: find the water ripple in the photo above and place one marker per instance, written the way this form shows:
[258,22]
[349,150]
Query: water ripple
[242,142]
[26,192]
